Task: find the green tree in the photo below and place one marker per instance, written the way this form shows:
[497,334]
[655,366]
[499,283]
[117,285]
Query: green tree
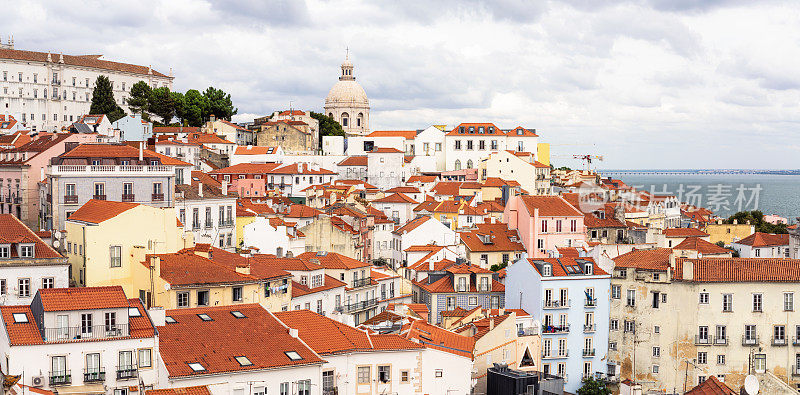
[195,106]
[103,100]
[161,104]
[140,96]
[592,386]
[179,104]
[219,104]
[327,125]
[756,218]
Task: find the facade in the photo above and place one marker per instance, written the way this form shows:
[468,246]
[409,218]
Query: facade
[347,102]
[545,223]
[522,167]
[460,285]
[291,136]
[763,245]
[229,131]
[571,295]
[491,244]
[80,340]
[27,263]
[470,143]
[686,320]
[51,91]
[274,236]
[111,172]
[207,212]
[180,150]
[133,128]
[385,168]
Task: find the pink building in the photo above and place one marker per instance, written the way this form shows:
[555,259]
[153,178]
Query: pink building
[545,223]
[22,168]
[775,219]
[249,187]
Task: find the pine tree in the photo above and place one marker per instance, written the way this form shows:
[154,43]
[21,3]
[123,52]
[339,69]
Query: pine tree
[103,100]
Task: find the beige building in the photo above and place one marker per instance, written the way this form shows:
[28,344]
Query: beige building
[229,131]
[522,167]
[347,102]
[333,234]
[728,233]
[676,322]
[495,342]
[291,136]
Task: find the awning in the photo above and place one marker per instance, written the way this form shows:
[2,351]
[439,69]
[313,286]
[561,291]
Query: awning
[82,389]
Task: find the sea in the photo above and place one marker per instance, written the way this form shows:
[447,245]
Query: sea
[726,194]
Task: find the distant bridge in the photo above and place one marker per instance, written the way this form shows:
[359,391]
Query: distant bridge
[687,172]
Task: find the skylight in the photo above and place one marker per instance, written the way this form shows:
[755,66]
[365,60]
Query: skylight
[293,355]
[238,314]
[133,312]
[243,361]
[196,367]
[20,318]
[168,319]
[204,317]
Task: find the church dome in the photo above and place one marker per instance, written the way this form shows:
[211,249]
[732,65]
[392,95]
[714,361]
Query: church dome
[347,92]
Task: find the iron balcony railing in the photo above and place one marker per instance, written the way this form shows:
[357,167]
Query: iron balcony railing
[721,340]
[61,377]
[99,197]
[363,305]
[71,199]
[588,328]
[94,375]
[158,197]
[532,331]
[779,341]
[128,197]
[555,329]
[590,302]
[562,354]
[588,352]
[127,372]
[85,332]
[556,304]
[795,371]
[750,340]
[703,340]
[362,282]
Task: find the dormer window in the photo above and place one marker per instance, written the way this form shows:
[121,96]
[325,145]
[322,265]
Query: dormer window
[588,268]
[520,132]
[134,312]
[293,355]
[26,250]
[462,284]
[205,317]
[20,318]
[5,251]
[197,367]
[547,270]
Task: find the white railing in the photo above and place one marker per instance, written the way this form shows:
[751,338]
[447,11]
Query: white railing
[66,169]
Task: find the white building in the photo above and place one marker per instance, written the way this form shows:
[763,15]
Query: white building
[133,128]
[274,236]
[80,340]
[347,102]
[426,230]
[763,245]
[189,153]
[47,91]
[469,143]
[398,207]
[208,213]
[27,263]
[387,243]
[385,168]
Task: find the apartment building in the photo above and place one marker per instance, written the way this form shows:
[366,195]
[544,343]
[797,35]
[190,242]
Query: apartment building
[677,322]
[491,244]
[27,263]
[545,223]
[470,143]
[460,285]
[181,150]
[80,340]
[115,172]
[207,212]
[571,295]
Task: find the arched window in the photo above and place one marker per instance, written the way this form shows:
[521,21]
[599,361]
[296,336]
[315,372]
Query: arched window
[457,165]
[360,119]
[469,164]
[330,114]
[345,119]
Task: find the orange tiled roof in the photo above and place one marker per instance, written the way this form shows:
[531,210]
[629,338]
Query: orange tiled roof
[406,134]
[64,299]
[711,386]
[247,168]
[302,211]
[684,232]
[445,285]
[701,246]
[740,270]
[255,150]
[12,230]
[107,150]
[259,336]
[334,260]
[329,283]
[760,239]
[397,197]
[413,224]
[560,266]
[499,234]
[358,160]
[550,206]
[653,259]
[432,336]
[92,61]
[422,179]
[197,390]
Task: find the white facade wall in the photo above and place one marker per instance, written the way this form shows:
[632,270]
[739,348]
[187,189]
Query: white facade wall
[457,159]
[186,153]
[430,232]
[222,236]
[429,150]
[387,244]
[345,371]
[12,274]
[249,382]
[361,145]
[269,239]
[446,373]
[385,170]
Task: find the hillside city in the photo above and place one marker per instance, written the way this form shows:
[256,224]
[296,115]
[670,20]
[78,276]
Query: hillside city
[149,245]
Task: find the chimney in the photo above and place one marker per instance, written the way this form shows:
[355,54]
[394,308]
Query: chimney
[243,269]
[158,315]
[491,323]
[293,333]
[200,189]
[430,264]
[225,187]
[141,151]
[688,270]
[213,118]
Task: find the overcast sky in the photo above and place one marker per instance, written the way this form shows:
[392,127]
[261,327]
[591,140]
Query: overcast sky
[647,84]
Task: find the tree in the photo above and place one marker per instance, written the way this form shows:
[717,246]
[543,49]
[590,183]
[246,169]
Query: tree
[161,104]
[219,104]
[327,125]
[195,107]
[498,267]
[592,386]
[179,104]
[756,218]
[103,100]
[140,96]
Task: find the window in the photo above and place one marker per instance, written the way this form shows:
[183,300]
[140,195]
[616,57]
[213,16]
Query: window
[293,355]
[237,294]
[404,377]
[721,359]
[630,326]
[757,302]
[750,334]
[760,363]
[384,373]
[631,300]
[99,191]
[363,375]
[145,358]
[20,318]
[111,322]
[196,367]
[48,282]
[473,300]
[24,287]
[702,357]
[722,334]
[243,361]
[202,298]
[5,251]
[703,297]
[788,301]
[727,302]
[284,389]
[656,351]
[86,323]
[115,253]
[205,317]
[327,381]
[656,329]
[304,387]
[615,291]
[183,299]
[613,325]
[779,334]
[26,251]
[655,368]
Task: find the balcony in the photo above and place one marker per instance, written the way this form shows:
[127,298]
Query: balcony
[588,352]
[121,170]
[548,355]
[532,331]
[209,225]
[795,371]
[99,197]
[56,83]
[71,333]
[71,199]
[590,302]
[750,341]
[94,375]
[551,329]
[721,341]
[195,226]
[127,372]
[703,340]
[17,200]
[330,391]
[63,377]
[556,304]
[779,341]
[128,197]
[796,341]
[158,197]
[589,328]
[358,306]
[361,282]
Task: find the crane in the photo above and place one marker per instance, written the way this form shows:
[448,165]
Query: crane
[588,159]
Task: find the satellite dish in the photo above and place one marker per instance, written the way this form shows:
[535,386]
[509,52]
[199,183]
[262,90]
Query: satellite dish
[56,244]
[166,286]
[56,234]
[751,385]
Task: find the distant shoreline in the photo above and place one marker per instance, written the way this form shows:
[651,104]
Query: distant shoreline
[699,172]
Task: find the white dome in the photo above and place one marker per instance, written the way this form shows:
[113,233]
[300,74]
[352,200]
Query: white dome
[347,92]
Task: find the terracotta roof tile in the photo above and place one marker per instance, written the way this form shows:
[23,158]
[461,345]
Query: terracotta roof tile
[432,336]
[413,224]
[684,232]
[760,239]
[332,260]
[491,237]
[92,61]
[550,206]
[406,134]
[395,198]
[96,211]
[740,270]
[701,246]
[12,230]
[653,259]
[197,390]
[64,299]
[119,151]
[711,386]
[247,168]
[358,160]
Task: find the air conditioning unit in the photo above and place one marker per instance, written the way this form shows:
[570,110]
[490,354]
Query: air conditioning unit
[37,381]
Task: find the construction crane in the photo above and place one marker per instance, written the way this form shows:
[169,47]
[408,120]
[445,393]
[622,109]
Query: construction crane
[587,159]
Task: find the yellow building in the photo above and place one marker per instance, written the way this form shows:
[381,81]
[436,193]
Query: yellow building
[103,237]
[246,213]
[728,233]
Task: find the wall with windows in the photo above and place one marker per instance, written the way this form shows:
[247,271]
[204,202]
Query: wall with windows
[20,282]
[211,220]
[280,381]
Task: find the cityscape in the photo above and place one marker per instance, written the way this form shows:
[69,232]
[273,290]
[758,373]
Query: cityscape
[162,232]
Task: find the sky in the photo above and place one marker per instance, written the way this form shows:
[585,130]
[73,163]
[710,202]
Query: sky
[646,84]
